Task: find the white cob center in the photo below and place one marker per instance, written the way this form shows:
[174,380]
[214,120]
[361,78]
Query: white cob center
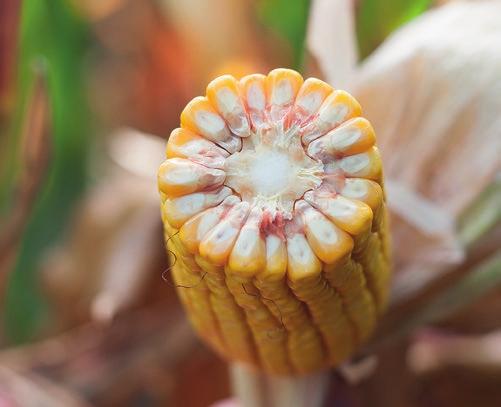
[272,170]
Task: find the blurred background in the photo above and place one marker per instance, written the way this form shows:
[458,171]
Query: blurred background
[89,92]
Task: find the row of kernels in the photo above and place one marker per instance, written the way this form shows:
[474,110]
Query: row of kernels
[326,309]
[234,107]
[269,334]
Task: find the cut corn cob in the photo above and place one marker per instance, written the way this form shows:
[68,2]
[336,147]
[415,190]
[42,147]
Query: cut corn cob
[275,221]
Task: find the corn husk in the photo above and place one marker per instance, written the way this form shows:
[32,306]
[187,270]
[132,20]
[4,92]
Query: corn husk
[432,91]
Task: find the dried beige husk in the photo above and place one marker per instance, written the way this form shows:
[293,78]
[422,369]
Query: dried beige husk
[121,213]
[432,91]
[331,40]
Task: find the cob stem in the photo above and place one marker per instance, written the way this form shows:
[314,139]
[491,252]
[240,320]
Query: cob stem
[255,389]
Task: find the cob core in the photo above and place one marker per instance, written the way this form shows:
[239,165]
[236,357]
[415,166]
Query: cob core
[275,221]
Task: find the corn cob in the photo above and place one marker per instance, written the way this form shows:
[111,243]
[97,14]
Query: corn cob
[275,221]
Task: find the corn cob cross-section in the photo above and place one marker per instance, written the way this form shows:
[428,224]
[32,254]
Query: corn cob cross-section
[275,221]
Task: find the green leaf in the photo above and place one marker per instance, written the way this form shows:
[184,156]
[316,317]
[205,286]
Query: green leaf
[50,30]
[480,281]
[482,215]
[288,19]
[376,19]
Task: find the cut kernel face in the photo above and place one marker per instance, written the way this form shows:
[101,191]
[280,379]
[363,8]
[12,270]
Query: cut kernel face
[275,184]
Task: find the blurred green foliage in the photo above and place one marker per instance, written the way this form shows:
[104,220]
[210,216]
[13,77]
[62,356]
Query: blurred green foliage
[376,19]
[289,19]
[482,216]
[481,280]
[50,31]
